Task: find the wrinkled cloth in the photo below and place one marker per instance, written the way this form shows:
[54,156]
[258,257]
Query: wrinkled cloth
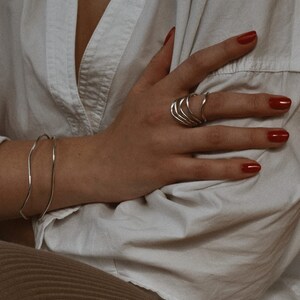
[195,240]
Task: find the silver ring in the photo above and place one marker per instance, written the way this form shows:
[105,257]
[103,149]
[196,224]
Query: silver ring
[203,102]
[180,110]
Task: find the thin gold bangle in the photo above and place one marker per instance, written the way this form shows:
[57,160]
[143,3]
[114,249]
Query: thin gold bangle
[29,174]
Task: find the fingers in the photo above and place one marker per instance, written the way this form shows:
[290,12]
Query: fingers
[191,72]
[217,169]
[159,66]
[224,105]
[226,138]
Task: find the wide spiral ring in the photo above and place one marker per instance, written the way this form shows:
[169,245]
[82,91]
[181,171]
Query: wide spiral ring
[180,110]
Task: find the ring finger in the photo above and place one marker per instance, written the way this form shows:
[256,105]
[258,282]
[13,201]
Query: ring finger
[227,138]
[225,105]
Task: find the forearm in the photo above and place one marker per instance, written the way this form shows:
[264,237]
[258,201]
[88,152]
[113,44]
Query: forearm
[71,175]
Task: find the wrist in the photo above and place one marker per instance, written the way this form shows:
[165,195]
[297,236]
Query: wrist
[75,158]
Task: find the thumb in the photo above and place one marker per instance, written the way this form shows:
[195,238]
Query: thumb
[160,64]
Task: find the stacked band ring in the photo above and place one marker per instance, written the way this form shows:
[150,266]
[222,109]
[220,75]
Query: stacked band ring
[180,110]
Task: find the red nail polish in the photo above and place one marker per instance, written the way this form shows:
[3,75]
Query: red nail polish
[251,168]
[280,103]
[171,32]
[247,37]
[278,136]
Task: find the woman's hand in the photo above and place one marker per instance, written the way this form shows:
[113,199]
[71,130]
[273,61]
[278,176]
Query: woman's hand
[145,148]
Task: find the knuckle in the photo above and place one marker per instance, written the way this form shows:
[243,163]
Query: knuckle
[225,49]
[254,103]
[252,137]
[153,117]
[158,142]
[227,169]
[215,136]
[197,61]
[201,170]
[172,171]
[217,103]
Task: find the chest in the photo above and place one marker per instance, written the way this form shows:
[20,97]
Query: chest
[84,42]
[111,51]
[88,16]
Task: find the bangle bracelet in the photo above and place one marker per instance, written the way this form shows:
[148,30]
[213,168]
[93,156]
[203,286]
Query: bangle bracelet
[52,178]
[29,174]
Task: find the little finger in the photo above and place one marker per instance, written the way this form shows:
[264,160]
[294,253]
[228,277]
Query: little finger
[217,169]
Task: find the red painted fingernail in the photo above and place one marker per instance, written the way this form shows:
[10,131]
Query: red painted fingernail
[251,168]
[278,136]
[171,32]
[247,37]
[280,103]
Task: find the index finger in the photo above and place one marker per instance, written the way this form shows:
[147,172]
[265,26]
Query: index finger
[192,71]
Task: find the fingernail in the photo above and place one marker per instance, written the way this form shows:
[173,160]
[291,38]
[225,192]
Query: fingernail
[278,136]
[247,37]
[251,168]
[280,103]
[171,32]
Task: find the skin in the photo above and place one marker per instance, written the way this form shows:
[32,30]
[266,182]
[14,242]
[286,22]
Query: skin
[145,148]
[88,17]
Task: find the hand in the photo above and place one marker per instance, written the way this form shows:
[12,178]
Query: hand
[145,148]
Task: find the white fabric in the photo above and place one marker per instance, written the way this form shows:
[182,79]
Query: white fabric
[198,240]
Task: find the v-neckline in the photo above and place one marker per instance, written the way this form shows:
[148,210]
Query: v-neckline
[84,103]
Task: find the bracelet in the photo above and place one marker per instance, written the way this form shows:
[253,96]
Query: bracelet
[29,174]
[52,178]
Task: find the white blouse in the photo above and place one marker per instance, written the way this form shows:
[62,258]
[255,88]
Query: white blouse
[196,240]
